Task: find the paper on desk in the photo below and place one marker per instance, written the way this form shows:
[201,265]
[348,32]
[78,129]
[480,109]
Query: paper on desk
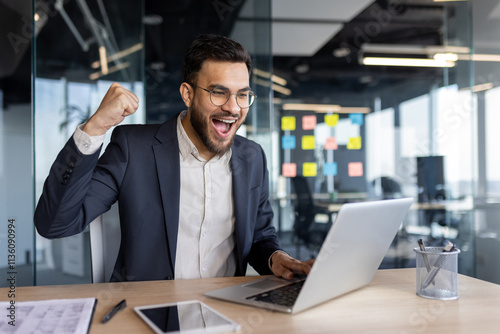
[49,316]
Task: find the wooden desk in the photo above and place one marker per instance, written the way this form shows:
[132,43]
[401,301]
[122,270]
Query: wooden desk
[387,305]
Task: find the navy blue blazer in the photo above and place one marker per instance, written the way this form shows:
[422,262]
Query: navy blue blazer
[141,170]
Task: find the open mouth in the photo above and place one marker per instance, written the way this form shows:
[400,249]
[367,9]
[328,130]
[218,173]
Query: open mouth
[223,126]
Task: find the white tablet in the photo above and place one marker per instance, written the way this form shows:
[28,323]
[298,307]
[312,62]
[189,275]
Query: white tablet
[188,317]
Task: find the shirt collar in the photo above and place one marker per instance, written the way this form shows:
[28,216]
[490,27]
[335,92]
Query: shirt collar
[186,146]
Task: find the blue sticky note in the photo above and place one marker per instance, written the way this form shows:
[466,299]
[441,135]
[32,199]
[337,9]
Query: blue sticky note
[356,118]
[330,168]
[288,142]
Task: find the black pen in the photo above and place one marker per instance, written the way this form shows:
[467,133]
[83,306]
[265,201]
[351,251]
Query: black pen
[120,306]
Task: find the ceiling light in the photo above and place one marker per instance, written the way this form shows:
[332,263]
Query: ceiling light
[446,56]
[121,66]
[119,55]
[103,60]
[414,62]
[267,75]
[325,108]
[482,87]
[276,87]
[341,52]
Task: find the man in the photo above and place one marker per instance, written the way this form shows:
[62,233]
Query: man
[193,196]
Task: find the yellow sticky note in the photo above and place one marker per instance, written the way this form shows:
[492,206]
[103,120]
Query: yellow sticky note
[354,143]
[308,142]
[309,169]
[332,120]
[288,123]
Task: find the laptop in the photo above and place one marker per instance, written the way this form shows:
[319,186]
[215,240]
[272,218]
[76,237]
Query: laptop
[348,259]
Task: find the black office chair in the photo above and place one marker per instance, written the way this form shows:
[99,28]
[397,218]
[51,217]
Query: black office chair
[306,230]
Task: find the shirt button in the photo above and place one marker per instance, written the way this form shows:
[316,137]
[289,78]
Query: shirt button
[204,269]
[203,234]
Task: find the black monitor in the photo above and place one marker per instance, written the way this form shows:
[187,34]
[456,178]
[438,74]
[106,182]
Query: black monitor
[430,179]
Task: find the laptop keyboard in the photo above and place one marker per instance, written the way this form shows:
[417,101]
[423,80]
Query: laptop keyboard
[285,295]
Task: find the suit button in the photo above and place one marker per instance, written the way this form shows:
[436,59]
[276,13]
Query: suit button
[71,164]
[168,278]
[64,181]
[66,176]
[69,170]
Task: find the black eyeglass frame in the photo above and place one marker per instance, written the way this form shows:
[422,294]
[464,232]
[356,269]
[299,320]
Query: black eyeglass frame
[228,96]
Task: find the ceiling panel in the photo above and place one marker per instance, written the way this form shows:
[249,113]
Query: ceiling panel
[331,10]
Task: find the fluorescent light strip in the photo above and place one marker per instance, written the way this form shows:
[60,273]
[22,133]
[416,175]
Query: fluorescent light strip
[416,62]
[121,54]
[325,108]
[273,77]
[276,87]
[482,87]
[103,61]
[113,69]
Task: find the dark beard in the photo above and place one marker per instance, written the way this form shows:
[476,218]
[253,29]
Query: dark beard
[201,127]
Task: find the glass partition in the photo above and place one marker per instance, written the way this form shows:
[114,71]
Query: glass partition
[362,132]
[81,49]
[16,160]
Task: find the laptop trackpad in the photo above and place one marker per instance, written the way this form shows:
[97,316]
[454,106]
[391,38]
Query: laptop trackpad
[267,283]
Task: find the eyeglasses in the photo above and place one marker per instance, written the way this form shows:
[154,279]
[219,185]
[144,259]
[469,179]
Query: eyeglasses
[220,96]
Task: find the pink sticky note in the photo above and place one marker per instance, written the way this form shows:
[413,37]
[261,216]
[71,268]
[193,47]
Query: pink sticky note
[331,143]
[289,170]
[355,169]
[308,122]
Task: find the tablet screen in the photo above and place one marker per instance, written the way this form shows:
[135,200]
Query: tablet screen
[185,317]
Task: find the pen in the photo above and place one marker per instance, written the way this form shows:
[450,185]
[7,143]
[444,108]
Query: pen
[449,247]
[120,306]
[426,260]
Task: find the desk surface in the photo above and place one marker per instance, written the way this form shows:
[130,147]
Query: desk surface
[387,305]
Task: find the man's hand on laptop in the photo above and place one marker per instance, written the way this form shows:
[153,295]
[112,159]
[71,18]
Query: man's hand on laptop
[283,265]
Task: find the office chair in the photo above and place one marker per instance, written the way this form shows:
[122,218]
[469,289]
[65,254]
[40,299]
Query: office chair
[104,245]
[306,230]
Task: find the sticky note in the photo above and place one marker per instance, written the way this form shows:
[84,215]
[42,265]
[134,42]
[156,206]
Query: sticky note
[288,142]
[356,118]
[355,169]
[289,170]
[330,168]
[308,122]
[308,142]
[288,123]
[332,120]
[354,143]
[309,169]
[331,143]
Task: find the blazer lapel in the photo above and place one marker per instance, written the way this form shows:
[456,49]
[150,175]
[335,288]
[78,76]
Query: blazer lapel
[239,169]
[168,169]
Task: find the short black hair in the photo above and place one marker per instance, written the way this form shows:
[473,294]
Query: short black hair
[212,47]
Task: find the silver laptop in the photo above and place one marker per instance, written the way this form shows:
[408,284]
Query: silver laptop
[348,259]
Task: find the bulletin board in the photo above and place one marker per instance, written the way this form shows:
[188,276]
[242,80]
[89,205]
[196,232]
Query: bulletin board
[324,147]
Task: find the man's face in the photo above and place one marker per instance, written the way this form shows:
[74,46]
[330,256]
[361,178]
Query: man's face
[216,126]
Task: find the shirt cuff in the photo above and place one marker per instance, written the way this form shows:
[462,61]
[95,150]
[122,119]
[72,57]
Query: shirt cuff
[269,262]
[85,143]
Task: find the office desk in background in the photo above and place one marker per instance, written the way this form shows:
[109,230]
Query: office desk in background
[387,305]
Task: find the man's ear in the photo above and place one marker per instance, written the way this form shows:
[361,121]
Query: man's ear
[186,93]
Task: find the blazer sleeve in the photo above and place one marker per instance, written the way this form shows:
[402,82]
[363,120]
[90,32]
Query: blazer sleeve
[78,189]
[265,241]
